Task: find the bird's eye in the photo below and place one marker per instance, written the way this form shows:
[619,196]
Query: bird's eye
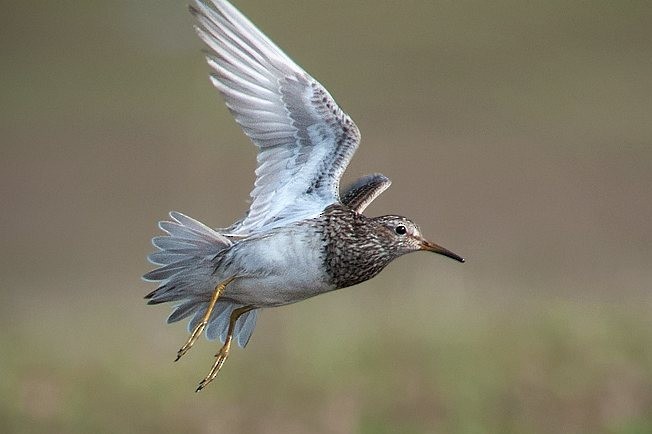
[401,230]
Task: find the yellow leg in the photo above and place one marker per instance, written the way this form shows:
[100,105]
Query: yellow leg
[219,289]
[224,351]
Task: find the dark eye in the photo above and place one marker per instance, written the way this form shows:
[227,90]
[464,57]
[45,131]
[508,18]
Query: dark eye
[401,230]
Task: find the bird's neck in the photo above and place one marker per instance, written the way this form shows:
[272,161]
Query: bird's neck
[353,251]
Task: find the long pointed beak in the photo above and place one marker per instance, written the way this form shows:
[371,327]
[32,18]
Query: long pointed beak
[435,248]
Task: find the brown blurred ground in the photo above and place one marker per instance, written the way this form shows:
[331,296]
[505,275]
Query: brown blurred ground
[517,134]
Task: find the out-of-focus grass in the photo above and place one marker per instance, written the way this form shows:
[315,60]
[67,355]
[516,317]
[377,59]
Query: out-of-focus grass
[517,134]
[369,360]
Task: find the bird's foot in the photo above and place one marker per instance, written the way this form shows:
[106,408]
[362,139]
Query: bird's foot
[220,358]
[199,329]
[222,355]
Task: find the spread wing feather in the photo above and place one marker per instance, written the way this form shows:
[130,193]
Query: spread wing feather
[363,191]
[305,141]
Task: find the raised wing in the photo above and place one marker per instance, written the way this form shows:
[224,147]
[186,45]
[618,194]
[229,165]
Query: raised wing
[362,192]
[305,141]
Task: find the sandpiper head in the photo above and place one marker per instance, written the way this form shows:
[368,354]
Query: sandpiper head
[404,236]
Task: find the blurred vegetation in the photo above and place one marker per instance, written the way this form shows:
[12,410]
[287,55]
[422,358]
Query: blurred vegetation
[516,133]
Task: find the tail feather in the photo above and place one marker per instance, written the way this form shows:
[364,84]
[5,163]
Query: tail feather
[245,327]
[189,230]
[186,274]
[219,322]
[167,257]
[167,272]
[183,311]
[175,244]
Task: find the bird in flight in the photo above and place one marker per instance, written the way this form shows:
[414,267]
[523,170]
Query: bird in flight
[301,236]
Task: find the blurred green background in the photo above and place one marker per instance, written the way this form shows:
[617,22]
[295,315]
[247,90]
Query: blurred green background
[518,134]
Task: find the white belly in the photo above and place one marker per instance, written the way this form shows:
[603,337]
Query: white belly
[282,268]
